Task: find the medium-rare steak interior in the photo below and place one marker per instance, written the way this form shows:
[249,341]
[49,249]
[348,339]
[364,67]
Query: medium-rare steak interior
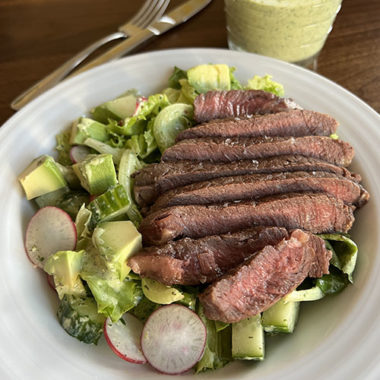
[255,186]
[235,203]
[290,123]
[263,279]
[191,262]
[235,103]
[220,149]
[156,179]
[314,212]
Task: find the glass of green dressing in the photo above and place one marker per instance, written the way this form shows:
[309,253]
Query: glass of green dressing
[290,30]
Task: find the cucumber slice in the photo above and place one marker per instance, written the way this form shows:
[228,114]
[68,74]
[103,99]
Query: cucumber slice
[111,205]
[248,339]
[169,122]
[281,317]
[79,317]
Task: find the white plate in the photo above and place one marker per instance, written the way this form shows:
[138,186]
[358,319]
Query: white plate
[336,338]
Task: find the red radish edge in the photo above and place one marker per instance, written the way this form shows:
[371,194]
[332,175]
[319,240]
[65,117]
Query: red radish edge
[194,361]
[50,281]
[72,246]
[115,350]
[78,153]
[139,100]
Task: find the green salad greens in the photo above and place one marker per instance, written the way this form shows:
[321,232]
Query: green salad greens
[93,281]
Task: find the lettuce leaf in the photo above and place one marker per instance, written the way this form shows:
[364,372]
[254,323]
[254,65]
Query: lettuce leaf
[175,77]
[345,253]
[265,83]
[218,346]
[113,297]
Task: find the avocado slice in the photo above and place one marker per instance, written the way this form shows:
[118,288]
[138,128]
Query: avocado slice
[42,176]
[160,293]
[65,267]
[116,109]
[96,173]
[116,241]
[84,128]
[209,77]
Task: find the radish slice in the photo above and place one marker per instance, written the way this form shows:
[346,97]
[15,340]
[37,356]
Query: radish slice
[50,230]
[124,338]
[50,280]
[139,102]
[173,339]
[78,153]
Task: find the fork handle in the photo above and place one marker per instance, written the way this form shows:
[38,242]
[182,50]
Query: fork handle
[119,49]
[58,74]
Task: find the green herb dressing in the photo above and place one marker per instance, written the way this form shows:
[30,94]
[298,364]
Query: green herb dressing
[291,30]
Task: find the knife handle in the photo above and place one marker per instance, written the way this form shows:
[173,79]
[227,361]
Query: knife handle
[61,72]
[118,50]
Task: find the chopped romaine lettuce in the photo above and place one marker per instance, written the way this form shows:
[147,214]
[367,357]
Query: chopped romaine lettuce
[265,83]
[345,252]
[176,76]
[217,346]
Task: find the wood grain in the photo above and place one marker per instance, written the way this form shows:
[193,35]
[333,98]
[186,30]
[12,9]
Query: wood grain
[38,35]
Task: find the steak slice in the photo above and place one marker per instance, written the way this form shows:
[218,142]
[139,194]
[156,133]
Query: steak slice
[155,179]
[220,149]
[317,213]
[291,123]
[254,186]
[235,103]
[191,262]
[264,279]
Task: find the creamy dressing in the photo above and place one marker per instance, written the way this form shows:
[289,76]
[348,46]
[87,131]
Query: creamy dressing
[291,30]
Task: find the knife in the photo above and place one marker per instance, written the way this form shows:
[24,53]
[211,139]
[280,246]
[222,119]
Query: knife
[173,18]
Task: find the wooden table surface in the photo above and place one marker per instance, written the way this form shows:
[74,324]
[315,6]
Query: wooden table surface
[36,36]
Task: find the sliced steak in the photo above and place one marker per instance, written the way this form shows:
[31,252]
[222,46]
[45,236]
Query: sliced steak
[291,123]
[220,149]
[316,213]
[264,279]
[235,103]
[155,179]
[191,262]
[254,186]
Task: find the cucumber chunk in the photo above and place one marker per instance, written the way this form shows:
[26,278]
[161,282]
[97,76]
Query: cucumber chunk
[248,339]
[281,317]
[79,317]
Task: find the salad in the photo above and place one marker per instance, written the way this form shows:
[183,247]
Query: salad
[87,210]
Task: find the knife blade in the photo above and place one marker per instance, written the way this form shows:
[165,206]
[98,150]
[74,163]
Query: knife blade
[170,20]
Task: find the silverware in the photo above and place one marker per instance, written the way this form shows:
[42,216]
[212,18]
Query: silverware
[150,11]
[173,18]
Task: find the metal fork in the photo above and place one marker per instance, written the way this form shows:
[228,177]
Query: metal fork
[150,11]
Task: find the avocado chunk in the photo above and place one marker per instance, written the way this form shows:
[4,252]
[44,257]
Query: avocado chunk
[281,317]
[160,293]
[96,173]
[116,241]
[111,205]
[79,317]
[65,267]
[42,176]
[209,77]
[116,109]
[84,128]
[248,339]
